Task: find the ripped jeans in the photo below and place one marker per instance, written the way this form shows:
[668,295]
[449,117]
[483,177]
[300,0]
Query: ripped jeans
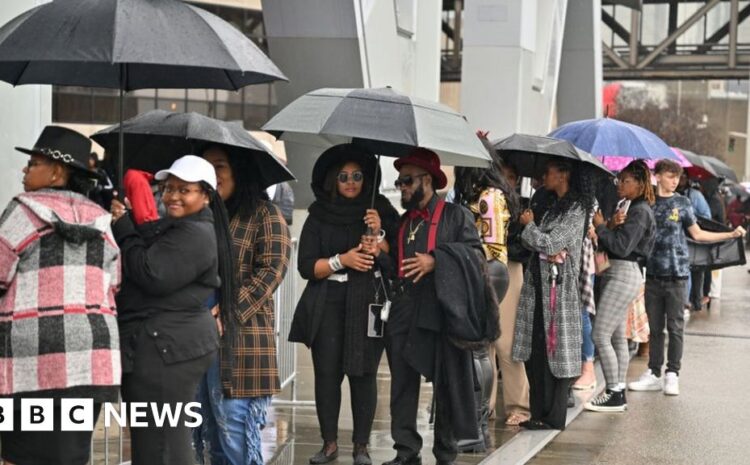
[231,427]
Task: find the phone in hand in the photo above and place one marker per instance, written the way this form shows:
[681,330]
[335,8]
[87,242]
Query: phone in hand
[623,206]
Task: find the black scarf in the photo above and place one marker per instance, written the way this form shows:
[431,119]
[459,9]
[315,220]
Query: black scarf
[359,349]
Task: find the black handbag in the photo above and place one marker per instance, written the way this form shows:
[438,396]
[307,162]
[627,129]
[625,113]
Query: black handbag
[716,255]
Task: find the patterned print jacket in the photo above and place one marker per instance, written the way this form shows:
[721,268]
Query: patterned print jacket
[59,272]
[262,246]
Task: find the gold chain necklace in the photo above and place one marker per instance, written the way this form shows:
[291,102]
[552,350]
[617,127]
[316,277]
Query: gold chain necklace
[413,231]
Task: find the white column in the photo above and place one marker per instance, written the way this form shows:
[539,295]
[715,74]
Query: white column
[579,94]
[27,109]
[510,64]
[351,43]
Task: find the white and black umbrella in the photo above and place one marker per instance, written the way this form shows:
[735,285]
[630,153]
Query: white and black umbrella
[129,44]
[721,168]
[383,121]
[155,139]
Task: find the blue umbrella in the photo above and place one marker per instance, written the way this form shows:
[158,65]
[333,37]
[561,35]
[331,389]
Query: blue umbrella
[607,137]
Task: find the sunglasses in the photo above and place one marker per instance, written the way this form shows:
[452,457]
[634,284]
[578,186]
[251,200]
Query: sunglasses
[356,176]
[407,180]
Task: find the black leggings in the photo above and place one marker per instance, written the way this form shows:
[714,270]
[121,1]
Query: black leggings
[327,354]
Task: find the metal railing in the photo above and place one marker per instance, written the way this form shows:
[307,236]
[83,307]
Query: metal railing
[107,443]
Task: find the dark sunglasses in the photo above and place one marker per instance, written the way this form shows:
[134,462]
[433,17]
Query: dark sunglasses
[407,180]
[356,176]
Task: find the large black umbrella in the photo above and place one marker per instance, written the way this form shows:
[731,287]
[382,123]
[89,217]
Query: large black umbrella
[129,44]
[529,154]
[155,139]
[383,121]
[721,168]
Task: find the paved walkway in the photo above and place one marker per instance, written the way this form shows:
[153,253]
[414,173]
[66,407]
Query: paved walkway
[708,423]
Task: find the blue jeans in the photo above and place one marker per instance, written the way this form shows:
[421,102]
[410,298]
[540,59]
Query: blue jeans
[587,345]
[231,427]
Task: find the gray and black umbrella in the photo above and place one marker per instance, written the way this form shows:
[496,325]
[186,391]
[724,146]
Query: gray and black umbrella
[129,44]
[701,168]
[529,154]
[155,139]
[722,169]
[383,121]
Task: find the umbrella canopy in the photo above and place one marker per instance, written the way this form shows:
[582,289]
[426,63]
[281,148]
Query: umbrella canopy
[129,44]
[616,164]
[722,169]
[382,121]
[606,137]
[530,153]
[699,168]
[155,139]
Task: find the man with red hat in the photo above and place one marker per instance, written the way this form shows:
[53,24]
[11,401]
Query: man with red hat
[418,336]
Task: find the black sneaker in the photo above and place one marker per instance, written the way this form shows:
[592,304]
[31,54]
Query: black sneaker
[608,401]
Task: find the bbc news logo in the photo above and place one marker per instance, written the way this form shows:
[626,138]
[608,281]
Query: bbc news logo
[78,414]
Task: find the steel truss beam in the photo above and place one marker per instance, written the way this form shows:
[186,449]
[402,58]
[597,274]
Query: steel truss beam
[667,60]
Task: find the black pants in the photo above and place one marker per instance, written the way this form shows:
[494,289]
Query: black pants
[548,395]
[405,384]
[696,288]
[154,381]
[47,447]
[664,304]
[327,355]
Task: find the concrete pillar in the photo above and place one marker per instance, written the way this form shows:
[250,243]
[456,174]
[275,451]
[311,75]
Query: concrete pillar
[351,43]
[511,58]
[27,109]
[579,94]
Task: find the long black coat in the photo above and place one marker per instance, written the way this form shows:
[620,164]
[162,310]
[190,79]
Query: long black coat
[428,349]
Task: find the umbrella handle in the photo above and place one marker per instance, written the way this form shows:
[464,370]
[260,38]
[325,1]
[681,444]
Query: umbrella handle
[375,189]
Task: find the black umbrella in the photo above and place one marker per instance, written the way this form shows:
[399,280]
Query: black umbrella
[701,168]
[155,139]
[129,44]
[529,154]
[722,169]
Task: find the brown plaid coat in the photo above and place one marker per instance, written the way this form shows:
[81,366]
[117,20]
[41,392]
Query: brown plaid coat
[262,246]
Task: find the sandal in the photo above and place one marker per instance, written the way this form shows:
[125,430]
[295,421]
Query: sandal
[515,419]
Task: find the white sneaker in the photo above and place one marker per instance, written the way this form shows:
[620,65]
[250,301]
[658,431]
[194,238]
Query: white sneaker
[647,382]
[671,384]
[686,315]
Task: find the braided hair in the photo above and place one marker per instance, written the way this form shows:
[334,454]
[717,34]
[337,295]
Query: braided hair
[638,170]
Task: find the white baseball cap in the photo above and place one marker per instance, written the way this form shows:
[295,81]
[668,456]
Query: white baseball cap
[190,168]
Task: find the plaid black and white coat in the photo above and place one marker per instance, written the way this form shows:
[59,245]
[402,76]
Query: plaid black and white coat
[59,272]
[551,237]
[262,247]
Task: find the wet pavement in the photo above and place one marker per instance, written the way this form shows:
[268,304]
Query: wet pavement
[708,423]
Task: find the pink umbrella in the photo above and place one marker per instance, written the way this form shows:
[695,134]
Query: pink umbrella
[618,163]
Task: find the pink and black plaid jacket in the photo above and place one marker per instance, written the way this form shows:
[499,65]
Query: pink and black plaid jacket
[59,271]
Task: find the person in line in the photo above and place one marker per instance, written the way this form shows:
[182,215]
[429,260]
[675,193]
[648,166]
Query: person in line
[331,318]
[587,380]
[58,324]
[548,324]
[494,203]
[171,268]
[491,196]
[237,389]
[667,271]
[103,191]
[627,245]
[282,196]
[695,300]
[439,289]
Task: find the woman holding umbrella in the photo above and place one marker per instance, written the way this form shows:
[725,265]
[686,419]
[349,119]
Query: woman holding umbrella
[548,324]
[171,270]
[237,389]
[335,256]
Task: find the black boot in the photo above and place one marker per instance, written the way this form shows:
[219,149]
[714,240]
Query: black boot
[328,453]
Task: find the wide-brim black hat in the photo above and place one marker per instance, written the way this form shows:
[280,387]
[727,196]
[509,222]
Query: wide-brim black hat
[65,146]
